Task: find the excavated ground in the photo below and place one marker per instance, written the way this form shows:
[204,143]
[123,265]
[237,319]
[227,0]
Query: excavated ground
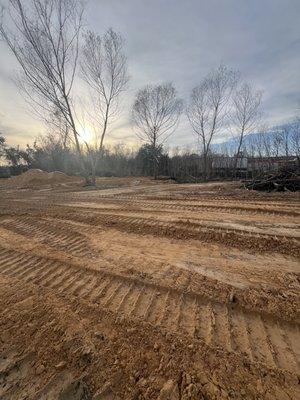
[136,290]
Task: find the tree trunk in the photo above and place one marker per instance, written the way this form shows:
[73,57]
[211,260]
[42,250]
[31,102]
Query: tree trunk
[205,167]
[237,155]
[154,156]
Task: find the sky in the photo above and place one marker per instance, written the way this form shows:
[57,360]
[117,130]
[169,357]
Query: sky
[181,41]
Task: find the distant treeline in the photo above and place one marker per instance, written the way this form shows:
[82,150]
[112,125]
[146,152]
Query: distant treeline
[259,155]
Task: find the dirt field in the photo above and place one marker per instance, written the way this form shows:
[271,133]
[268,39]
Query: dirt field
[137,290]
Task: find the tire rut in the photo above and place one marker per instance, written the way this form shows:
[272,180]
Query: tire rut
[186,229]
[256,336]
[231,207]
[55,235]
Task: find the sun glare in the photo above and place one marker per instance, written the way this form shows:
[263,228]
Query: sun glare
[86,135]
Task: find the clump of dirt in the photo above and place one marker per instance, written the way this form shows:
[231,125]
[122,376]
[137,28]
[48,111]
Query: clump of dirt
[36,177]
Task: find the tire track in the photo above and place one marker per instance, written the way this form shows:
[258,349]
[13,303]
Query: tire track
[55,235]
[186,229]
[258,337]
[230,207]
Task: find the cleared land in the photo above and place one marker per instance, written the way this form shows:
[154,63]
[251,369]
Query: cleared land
[148,291]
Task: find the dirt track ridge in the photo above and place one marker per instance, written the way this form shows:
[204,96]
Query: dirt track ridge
[261,339]
[136,286]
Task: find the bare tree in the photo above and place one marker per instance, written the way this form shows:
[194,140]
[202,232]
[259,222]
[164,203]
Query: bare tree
[104,68]
[259,145]
[155,114]
[57,125]
[45,42]
[295,137]
[208,107]
[2,146]
[281,140]
[245,114]
[285,134]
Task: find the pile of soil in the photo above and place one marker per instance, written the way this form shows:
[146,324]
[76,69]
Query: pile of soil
[36,177]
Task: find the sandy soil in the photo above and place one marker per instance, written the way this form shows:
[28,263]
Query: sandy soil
[143,290]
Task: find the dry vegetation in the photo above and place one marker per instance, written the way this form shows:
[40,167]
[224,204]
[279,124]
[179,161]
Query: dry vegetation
[143,290]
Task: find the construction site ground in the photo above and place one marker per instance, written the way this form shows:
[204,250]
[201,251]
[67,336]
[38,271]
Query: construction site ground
[138,289]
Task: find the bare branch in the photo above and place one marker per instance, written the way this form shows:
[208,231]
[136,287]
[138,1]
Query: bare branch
[104,68]
[245,114]
[44,41]
[209,105]
[156,113]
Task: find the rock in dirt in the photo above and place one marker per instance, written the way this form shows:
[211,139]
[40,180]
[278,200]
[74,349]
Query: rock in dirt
[169,391]
[40,369]
[77,390]
[105,393]
[61,365]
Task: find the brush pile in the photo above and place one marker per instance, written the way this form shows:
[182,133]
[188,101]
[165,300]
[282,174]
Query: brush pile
[283,181]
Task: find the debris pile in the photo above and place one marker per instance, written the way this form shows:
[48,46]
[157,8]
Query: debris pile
[284,181]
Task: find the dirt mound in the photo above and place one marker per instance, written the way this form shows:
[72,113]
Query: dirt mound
[36,177]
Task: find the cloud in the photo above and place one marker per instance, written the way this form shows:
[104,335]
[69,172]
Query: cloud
[180,41]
